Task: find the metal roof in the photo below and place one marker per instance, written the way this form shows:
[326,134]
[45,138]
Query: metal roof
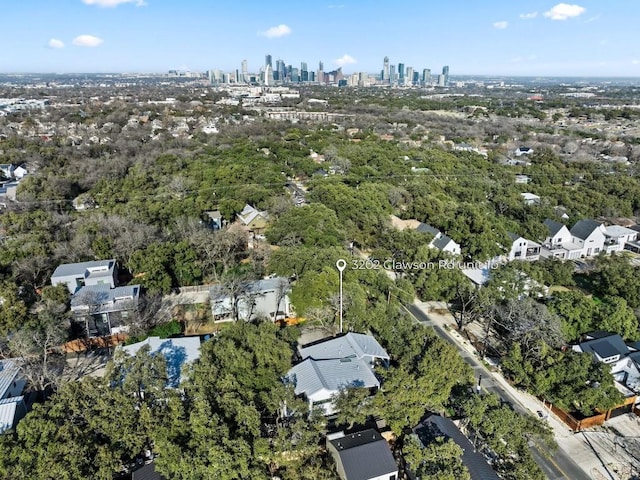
[364,455]
[217,292]
[605,347]
[79,269]
[619,231]
[311,376]
[356,344]
[9,371]
[435,426]
[7,415]
[107,299]
[176,351]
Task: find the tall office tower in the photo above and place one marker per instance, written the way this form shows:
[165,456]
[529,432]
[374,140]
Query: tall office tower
[445,74]
[442,82]
[268,61]
[280,70]
[426,76]
[268,75]
[401,72]
[304,72]
[392,74]
[321,66]
[295,75]
[408,78]
[416,78]
[245,71]
[385,70]
[312,76]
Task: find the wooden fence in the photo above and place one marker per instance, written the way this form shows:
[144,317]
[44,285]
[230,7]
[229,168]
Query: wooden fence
[84,344]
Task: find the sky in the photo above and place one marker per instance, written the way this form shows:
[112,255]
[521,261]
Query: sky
[473,37]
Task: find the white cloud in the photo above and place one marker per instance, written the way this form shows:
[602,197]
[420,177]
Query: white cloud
[345,60]
[87,41]
[501,25]
[563,11]
[113,3]
[281,30]
[55,43]
[528,16]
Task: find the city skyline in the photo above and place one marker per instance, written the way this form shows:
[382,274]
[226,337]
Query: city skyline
[501,38]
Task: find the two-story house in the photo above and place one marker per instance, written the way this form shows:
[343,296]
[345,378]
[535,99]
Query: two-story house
[589,236]
[77,275]
[522,248]
[249,300]
[101,311]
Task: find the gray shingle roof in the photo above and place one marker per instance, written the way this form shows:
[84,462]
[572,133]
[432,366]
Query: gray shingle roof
[148,472]
[364,455]
[441,242]
[583,228]
[356,344]
[553,226]
[606,346]
[425,228]
[436,426]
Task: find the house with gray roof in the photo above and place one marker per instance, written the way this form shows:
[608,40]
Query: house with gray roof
[266,298]
[362,455]
[618,237]
[440,241]
[435,426]
[102,311]
[77,275]
[252,219]
[12,402]
[589,236]
[319,381]
[352,345]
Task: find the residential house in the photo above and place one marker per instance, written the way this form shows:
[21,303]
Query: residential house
[523,179]
[77,275]
[331,365]
[8,191]
[440,241]
[362,455]
[178,352]
[530,198]
[523,249]
[103,311]
[352,345]
[559,242]
[435,427]
[523,151]
[253,220]
[589,236]
[12,403]
[618,237]
[263,298]
[624,360]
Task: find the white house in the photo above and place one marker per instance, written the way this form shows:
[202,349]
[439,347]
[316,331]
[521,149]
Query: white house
[618,237]
[12,404]
[440,241]
[263,298]
[559,242]
[523,151]
[329,366]
[589,236]
[103,311]
[523,249]
[77,275]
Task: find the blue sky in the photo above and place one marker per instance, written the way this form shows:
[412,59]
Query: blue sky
[484,37]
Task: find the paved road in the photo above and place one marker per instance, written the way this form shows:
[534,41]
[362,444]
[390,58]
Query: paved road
[557,465]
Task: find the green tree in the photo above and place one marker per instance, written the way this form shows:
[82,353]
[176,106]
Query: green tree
[311,225]
[438,460]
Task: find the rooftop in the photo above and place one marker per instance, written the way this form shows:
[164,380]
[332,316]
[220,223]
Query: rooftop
[79,269]
[311,376]
[109,299]
[364,455]
[583,228]
[177,352]
[355,345]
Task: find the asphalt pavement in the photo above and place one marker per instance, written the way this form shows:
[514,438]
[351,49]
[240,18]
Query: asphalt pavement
[556,465]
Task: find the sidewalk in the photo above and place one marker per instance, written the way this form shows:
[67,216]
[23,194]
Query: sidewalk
[574,445]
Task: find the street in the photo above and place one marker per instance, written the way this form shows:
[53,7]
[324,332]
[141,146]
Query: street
[557,465]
